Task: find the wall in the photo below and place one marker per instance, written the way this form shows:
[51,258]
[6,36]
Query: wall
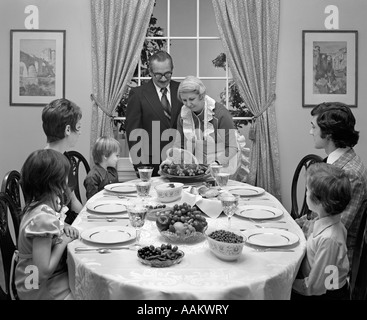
[21,126]
[294,120]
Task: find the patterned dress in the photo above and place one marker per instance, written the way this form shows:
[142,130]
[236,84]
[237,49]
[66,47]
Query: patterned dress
[41,221]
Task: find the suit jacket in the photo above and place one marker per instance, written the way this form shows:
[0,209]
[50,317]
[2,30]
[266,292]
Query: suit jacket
[145,112]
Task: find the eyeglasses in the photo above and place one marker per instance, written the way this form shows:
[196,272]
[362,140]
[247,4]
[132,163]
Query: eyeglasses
[158,76]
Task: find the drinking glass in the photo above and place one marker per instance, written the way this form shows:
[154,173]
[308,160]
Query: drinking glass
[214,169]
[229,203]
[143,189]
[145,173]
[222,177]
[137,214]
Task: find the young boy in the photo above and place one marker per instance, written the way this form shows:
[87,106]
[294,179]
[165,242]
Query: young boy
[325,268]
[105,155]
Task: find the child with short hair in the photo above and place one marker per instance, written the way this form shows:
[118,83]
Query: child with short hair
[324,270]
[41,271]
[105,155]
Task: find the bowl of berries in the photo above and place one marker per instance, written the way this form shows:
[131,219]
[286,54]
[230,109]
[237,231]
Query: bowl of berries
[182,224]
[225,244]
[161,256]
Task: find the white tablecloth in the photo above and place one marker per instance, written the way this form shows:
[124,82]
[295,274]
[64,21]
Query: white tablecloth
[200,275]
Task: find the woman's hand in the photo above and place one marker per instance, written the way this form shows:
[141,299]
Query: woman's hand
[71,232]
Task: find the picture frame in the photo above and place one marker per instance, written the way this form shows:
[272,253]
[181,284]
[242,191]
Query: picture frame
[37,66]
[329,67]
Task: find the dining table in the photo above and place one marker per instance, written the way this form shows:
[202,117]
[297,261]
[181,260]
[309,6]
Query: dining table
[262,272]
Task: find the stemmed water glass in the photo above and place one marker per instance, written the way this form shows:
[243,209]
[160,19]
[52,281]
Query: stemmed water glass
[214,169]
[229,204]
[137,214]
[145,173]
[143,189]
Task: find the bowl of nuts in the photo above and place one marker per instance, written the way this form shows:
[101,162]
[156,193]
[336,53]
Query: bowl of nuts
[162,256]
[182,224]
[225,244]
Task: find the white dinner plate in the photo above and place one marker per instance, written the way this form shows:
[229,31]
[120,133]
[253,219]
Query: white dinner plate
[120,187]
[270,237]
[106,206]
[246,191]
[258,212]
[109,234]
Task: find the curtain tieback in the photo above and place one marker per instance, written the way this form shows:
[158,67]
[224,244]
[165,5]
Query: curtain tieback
[99,105]
[252,131]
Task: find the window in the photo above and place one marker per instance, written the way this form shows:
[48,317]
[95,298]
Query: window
[188,31]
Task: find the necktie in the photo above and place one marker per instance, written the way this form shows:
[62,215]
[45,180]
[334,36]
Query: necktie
[165,103]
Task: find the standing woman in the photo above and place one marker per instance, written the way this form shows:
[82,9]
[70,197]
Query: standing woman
[61,122]
[205,127]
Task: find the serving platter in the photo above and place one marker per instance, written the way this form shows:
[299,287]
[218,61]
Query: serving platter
[120,188]
[270,237]
[108,206]
[109,234]
[186,179]
[258,212]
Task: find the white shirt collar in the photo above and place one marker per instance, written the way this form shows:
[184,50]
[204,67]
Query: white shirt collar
[336,154]
[160,93]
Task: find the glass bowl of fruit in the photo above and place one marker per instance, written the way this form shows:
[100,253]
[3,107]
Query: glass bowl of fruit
[162,256]
[182,224]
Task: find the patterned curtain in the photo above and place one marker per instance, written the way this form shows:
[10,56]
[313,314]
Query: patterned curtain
[249,30]
[118,34]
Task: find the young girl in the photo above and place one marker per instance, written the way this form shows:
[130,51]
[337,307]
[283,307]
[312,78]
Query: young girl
[41,271]
[324,270]
[105,155]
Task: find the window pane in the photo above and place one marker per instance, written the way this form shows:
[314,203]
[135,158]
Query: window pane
[210,50]
[183,18]
[208,25]
[214,88]
[160,13]
[183,53]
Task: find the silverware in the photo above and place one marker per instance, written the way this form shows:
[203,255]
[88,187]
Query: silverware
[273,250]
[265,221]
[106,217]
[101,250]
[258,226]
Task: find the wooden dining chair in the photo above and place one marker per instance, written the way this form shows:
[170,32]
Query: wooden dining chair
[295,188]
[358,276]
[11,186]
[8,247]
[80,168]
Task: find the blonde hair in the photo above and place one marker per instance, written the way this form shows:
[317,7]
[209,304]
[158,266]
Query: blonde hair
[191,84]
[104,146]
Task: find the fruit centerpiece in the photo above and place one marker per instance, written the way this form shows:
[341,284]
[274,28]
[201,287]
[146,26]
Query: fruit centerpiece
[184,170]
[182,223]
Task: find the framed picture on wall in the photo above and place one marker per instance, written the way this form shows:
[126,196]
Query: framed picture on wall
[37,66]
[329,67]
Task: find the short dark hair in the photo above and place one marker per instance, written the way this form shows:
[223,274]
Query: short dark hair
[57,115]
[330,186]
[337,120]
[160,56]
[44,177]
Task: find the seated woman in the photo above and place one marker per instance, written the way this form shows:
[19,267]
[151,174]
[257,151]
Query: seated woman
[206,129]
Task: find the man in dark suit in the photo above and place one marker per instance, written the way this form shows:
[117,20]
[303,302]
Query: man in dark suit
[153,108]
